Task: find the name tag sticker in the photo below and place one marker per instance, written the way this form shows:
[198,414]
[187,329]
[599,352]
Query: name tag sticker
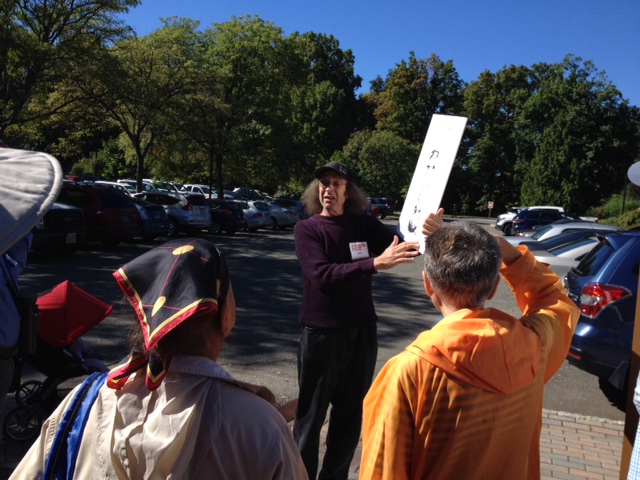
[359,250]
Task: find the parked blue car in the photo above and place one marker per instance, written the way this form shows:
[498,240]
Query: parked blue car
[604,286]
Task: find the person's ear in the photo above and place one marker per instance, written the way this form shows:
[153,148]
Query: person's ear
[495,288]
[430,291]
[228,312]
[427,284]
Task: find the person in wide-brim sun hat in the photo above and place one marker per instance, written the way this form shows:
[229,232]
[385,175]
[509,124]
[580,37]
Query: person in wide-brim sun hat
[29,185]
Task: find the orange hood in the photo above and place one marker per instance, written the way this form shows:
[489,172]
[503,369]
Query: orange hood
[488,349]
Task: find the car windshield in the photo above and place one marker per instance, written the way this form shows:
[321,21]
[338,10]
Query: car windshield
[261,206]
[197,200]
[113,198]
[541,232]
[284,203]
[595,259]
[165,187]
[571,245]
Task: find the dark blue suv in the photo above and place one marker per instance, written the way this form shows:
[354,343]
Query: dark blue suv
[528,219]
[604,286]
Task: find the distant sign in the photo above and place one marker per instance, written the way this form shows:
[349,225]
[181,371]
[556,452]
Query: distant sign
[634,173]
[490,205]
[431,174]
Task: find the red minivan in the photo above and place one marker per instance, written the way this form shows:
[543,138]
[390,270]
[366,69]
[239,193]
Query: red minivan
[110,216]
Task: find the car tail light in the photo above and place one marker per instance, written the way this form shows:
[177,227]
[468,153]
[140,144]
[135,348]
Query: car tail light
[518,220]
[187,206]
[596,297]
[225,212]
[257,216]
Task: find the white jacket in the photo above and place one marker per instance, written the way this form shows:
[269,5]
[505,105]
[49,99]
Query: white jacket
[200,423]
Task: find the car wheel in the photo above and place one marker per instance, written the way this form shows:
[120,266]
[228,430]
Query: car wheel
[173,228]
[274,224]
[214,229]
[508,229]
[231,231]
[253,229]
[383,215]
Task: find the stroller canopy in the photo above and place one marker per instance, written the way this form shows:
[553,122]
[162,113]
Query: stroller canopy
[68,312]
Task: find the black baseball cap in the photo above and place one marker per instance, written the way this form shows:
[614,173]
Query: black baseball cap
[335,167]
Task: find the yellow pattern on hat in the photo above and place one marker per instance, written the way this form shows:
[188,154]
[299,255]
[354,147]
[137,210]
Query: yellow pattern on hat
[158,305]
[183,249]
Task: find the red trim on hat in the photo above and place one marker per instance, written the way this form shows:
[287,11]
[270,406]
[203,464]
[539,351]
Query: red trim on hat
[118,376]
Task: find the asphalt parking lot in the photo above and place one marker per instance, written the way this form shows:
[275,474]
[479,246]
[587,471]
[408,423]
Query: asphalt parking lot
[267,284]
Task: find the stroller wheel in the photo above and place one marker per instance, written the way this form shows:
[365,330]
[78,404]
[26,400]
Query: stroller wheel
[28,393]
[22,423]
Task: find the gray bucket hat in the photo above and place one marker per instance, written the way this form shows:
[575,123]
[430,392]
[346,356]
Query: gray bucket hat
[29,185]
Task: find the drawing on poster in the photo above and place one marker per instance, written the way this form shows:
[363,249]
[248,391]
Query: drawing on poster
[412,226]
[431,174]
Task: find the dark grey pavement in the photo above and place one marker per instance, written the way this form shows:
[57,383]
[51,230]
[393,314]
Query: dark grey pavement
[262,348]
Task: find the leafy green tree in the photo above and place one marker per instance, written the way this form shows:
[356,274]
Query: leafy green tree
[414,91]
[41,42]
[487,172]
[324,105]
[578,136]
[138,83]
[235,114]
[313,108]
[382,161]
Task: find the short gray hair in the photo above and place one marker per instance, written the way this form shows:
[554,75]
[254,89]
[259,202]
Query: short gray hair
[462,261]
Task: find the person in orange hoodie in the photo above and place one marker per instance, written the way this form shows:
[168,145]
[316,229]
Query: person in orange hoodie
[464,400]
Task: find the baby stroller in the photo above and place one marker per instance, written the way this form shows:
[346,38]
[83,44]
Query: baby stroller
[63,315]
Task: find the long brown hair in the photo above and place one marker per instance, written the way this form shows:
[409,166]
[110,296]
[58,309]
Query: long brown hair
[356,199]
[200,335]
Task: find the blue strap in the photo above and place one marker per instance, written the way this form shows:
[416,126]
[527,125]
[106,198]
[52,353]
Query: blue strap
[75,436]
[62,458]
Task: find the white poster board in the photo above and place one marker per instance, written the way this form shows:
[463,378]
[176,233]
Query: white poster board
[431,175]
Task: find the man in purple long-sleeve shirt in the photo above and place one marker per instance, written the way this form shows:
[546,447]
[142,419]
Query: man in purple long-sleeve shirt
[339,248]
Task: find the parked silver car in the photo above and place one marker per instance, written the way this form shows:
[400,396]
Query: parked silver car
[563,258]
[199,188]
[282,216]
[189,213]
[131,185]
[561,226]
[257,214]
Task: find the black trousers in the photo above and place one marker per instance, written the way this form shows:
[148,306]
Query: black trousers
[335,367]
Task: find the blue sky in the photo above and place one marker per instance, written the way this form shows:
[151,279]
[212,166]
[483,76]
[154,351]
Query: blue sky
[475,35]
